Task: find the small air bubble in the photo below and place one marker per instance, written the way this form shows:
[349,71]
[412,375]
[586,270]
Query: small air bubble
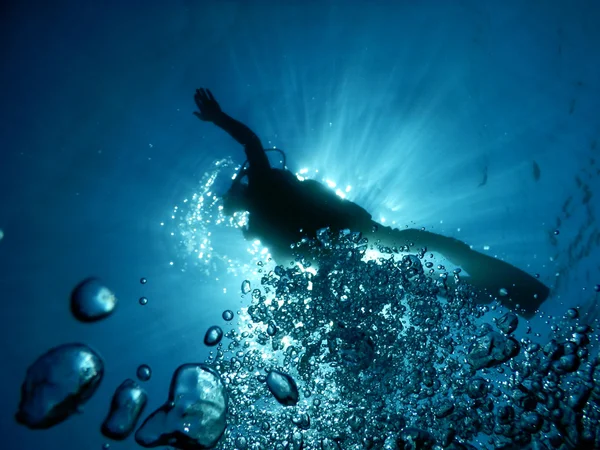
[572,313]
[246,287]
[144,372]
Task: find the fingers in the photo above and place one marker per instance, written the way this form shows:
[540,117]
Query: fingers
[201,93]
[204,95]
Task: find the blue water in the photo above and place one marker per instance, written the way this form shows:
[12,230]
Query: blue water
[472,119]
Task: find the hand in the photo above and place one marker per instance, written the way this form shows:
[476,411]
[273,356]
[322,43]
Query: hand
[208,106]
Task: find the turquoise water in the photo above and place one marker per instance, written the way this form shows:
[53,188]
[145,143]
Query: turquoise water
[474,120]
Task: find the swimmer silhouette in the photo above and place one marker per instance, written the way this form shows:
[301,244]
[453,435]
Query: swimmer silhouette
[284,209]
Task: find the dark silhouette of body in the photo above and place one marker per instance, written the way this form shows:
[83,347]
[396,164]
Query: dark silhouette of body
[284,209]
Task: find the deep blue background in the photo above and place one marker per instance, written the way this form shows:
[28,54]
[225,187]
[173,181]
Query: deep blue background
[411,103]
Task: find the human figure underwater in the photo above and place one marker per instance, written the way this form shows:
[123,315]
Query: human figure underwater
[283,210]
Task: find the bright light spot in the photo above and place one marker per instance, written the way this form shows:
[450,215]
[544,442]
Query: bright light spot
[385,311]
[171,263]
[303,171]
[372,254]
[348,188]
[486,247]
[340,193]
[330,183]
[383,220]
[286,341]
[305,269]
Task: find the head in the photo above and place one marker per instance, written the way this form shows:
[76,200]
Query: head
[237,199]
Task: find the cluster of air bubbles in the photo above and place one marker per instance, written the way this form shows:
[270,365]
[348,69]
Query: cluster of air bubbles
[371,352]
[366,352]
[199,218]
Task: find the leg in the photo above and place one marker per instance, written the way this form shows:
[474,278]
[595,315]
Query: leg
[492,277]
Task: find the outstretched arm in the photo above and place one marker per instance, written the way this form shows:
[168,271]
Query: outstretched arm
[210,111]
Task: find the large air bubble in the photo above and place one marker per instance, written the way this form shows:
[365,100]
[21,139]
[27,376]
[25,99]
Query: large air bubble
[58,383]
[91,300]
[127,405]
[194,416]
[283,387]
[213,336]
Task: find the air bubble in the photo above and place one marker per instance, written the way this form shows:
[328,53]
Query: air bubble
[246,287]
[144,372]
[213,336]
[91,300]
